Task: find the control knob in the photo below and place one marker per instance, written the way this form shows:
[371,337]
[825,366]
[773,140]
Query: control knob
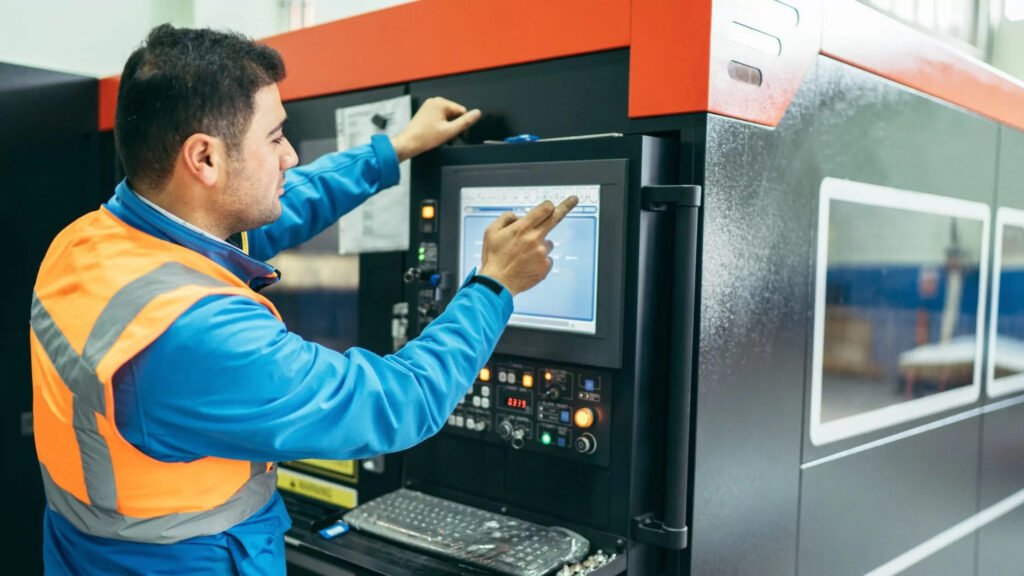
[517,438]
[586,443]
[505,430]
[553,393]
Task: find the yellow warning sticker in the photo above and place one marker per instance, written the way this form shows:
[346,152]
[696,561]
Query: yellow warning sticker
[322,490]
[343,467]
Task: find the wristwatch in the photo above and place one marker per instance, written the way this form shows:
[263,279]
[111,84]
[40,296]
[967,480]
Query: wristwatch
[492,284]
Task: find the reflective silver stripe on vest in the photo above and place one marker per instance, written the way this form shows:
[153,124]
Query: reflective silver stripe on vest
[78,372]
[87,400]
[131,299]
[166,529]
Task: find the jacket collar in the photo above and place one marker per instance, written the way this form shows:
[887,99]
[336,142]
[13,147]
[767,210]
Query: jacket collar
[134,211]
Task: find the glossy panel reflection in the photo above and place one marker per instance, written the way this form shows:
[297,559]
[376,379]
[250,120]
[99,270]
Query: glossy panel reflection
[899,307]
[1006,341]
[318,297]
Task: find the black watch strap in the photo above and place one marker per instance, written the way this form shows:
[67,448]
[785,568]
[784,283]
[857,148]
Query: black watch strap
[492,284]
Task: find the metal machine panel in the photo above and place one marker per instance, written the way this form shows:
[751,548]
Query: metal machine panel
[568,96]
[873,500]
[999,549]
[565,438]
[756,229]
[1002,450]
[760,203]
[1002,484]
[1010,192]
[314,118]
[863,510]
[872,131]
[605,388]
[48,122]
[954,560]
[1005,369]
[48,158]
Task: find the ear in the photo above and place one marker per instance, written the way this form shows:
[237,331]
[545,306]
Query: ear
[204,157]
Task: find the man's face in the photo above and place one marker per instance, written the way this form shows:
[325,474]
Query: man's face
[256,175]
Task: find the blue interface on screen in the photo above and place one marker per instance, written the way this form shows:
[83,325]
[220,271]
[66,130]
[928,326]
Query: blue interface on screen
[567,299]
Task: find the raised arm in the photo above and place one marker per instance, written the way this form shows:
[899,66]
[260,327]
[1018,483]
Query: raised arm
[317,194]
[253,390]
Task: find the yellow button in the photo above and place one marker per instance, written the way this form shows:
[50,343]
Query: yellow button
[427,212]
[584,417]
[485,375]
[528,380]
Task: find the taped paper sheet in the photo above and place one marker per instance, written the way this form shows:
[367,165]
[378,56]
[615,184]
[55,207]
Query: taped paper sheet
[381,224]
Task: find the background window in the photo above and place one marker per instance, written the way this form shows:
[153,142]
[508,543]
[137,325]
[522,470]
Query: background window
[1006,343]
[900,294]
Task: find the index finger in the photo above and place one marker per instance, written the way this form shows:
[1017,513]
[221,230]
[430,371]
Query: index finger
[539,214]
[451,109]
[560,211]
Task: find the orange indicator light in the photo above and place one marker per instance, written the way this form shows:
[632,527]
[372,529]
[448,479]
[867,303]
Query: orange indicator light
[485,375]
[584,417]
[528,380]
[427,212]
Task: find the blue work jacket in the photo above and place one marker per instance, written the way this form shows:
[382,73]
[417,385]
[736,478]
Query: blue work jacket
[228,379]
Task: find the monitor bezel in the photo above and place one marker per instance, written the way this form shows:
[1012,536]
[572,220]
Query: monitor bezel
[604,347]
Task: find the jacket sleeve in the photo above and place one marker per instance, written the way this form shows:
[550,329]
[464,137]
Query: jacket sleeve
[228,379]
[317,194]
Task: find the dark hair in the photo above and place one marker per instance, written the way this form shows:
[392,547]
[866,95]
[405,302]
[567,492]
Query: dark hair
[184,81]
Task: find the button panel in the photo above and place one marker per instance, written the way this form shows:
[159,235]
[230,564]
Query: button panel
[556,409]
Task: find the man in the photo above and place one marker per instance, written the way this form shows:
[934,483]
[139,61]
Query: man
[165,386]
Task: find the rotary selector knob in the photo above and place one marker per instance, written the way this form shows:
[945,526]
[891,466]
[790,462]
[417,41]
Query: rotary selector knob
[505,430]
[586,443]
[517,438]
[553,393]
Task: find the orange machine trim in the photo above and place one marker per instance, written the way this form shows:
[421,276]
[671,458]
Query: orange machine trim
[670,51]
[108,101]
[865,38]
[432,38]
[683,55]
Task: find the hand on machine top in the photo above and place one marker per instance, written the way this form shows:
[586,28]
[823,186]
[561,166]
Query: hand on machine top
[437,121]
[516,249]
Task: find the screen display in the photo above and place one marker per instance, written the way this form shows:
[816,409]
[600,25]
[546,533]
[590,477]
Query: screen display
[516,400]
[566,300]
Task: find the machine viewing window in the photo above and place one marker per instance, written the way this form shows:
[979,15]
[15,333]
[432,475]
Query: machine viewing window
[566,300]
[1006,328]
[899,307]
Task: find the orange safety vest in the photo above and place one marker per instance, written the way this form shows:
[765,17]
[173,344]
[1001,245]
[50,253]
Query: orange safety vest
[105,291]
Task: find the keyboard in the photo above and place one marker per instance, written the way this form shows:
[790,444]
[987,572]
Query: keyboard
[468,535]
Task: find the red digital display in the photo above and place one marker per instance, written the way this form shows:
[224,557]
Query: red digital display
[518,400]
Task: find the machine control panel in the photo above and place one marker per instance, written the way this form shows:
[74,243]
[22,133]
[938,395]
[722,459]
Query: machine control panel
[560,410]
